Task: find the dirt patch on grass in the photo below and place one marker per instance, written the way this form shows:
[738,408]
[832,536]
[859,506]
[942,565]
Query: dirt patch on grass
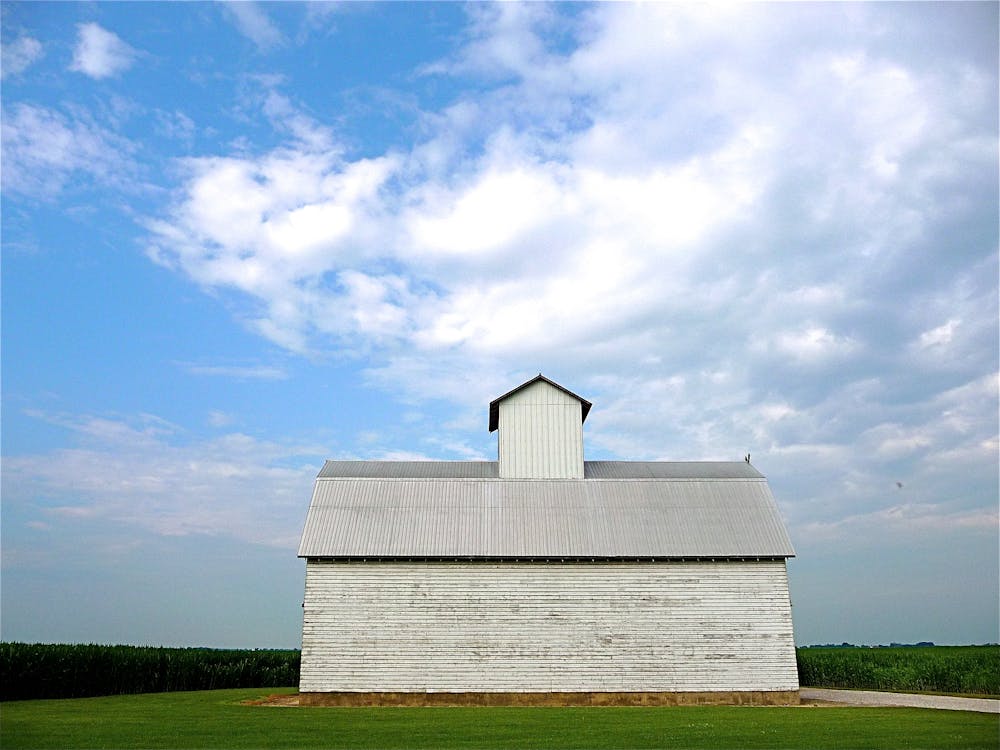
[275,701]
[559,699]
[285,700]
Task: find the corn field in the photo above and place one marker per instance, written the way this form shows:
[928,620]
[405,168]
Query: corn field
[34,670]
[941,669]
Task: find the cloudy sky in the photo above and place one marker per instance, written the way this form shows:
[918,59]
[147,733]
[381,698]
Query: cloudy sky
[242,238]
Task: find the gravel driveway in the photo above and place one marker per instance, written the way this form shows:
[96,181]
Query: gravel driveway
[872,698]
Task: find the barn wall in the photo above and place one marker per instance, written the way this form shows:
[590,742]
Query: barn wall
[490,628]
[540,434]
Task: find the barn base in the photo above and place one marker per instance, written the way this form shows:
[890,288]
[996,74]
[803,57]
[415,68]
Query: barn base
[714,698]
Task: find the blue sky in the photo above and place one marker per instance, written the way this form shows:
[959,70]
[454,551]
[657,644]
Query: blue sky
[239,239]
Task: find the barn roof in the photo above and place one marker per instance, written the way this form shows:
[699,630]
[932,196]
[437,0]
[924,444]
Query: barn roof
[495,403]
[621,509]
[489,470]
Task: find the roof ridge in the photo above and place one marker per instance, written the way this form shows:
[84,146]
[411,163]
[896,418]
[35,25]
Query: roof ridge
[495,403]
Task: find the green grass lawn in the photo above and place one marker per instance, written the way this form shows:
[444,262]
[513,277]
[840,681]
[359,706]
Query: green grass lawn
[216,719]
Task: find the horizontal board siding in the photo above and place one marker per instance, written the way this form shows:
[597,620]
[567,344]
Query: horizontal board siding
[519,627]
[541,435]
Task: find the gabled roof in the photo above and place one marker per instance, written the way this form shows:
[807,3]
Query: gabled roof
[623,510]
[495,403]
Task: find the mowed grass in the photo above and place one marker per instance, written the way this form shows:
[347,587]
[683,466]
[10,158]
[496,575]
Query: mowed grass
[216,719]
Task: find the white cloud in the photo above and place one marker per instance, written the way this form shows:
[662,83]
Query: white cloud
[895,440]
[218,418]
[939,336]
[254,24]
[813,344]
[100,53]
[500,207]
[739,228]
[966,409]
[916,520]
[729,231]
[19,55]
[402,456]
[503,40]
[138,472]
[238,372]
[554,230]
[310,135]
[175,125]
[44,149]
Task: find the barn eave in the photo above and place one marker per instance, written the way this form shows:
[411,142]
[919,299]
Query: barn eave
[577,559]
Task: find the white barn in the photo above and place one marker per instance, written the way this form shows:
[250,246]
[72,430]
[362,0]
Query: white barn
[542,578]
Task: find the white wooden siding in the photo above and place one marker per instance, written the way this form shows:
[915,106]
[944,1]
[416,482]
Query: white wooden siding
[518,627]
[541,434]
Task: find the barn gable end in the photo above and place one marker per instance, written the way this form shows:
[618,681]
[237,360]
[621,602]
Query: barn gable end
[542,578]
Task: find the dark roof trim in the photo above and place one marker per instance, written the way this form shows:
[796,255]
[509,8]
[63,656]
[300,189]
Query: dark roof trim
[495,403]
[548,559]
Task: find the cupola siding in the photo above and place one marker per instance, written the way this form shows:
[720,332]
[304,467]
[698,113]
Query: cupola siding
[544,579]
[540,434]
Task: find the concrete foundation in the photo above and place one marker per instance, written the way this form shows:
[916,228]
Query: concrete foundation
[740,698]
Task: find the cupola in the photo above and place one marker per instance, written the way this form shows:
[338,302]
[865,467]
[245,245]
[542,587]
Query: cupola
[540,431]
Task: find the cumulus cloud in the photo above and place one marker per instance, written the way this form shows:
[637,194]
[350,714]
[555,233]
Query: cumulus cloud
[732,232]
[100,53]
[19,55]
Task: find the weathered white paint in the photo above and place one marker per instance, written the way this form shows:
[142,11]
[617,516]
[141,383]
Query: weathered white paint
[526,627]
[540,434]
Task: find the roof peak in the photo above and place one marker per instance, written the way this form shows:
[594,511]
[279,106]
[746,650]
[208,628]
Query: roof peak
[495,403]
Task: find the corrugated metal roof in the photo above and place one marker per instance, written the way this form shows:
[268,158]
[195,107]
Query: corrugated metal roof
[670,470]
[410,469]
[591,470]
[543,518]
